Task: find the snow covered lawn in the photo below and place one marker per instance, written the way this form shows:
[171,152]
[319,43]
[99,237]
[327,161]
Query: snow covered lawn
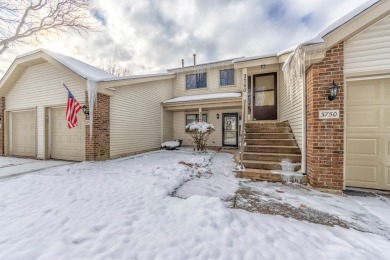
[133,208]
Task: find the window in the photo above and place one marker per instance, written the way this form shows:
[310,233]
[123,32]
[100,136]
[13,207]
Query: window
[198,80]
[194,117]
[226,77]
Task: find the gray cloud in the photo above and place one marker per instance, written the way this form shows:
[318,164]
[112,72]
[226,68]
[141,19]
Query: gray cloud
[153,35]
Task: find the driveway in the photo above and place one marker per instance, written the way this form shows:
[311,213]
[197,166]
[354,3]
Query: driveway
[12,167]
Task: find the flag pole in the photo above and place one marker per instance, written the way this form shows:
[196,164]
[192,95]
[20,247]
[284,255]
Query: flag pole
[65,86]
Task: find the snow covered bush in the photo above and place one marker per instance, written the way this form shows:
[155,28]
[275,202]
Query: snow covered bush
[200,132]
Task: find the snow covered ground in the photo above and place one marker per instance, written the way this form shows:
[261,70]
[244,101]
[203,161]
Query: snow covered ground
[10,166]
[370,214]
[130,209]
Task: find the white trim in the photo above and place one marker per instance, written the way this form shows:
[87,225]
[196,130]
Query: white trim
[367,78]
[345,134]
[303,150]
[49,134]
[10,133]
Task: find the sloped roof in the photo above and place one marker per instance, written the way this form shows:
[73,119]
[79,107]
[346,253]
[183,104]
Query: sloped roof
[83,69]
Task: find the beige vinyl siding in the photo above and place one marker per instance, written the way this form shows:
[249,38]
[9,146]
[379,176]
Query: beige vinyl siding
[41,86]
[290,108]
[213,81]
[136,117]
[167,125]
[370,49]
[179,121]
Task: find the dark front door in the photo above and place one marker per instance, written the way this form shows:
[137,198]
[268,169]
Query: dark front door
[230,129]
[264,97]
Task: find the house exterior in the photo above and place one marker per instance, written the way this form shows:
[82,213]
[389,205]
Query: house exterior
[340,142]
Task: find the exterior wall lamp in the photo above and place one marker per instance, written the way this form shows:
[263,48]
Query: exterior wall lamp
[217,116]
[333,89]
[85,110]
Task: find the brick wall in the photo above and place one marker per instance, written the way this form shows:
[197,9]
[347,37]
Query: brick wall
[325,138]
[2,114]
[97,148]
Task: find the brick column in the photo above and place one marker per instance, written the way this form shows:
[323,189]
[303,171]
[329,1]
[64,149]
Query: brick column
[97,148]
[2,129]
[325,138]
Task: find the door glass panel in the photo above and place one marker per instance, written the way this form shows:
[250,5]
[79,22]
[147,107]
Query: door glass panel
[230,123]
[230,130]
[264,83]
[266,98]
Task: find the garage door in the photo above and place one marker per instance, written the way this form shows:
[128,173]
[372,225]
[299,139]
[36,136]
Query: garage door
[67,144]
[23,133]
[368,134]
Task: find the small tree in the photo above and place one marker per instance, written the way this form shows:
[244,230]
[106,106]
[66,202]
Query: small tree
[114,68]
[200,132]
[24,19]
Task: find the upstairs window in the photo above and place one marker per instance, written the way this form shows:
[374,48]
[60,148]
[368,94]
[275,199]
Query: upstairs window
[195,117]
[226,77]
[198,80]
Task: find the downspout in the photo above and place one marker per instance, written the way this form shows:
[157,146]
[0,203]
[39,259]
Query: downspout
[304,125]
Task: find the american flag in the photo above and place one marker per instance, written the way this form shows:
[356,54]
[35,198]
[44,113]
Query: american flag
[71,110]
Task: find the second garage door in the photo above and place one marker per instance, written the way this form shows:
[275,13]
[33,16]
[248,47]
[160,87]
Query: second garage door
[67,144]
[368,134]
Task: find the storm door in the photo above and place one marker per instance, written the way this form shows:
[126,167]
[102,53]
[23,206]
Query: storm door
[264,97]
[230,129]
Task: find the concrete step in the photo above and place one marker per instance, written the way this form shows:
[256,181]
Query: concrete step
[254,124]
[262,165]
[265,165]
[268,130]
[266,175]
[273,157]
[259,175]
[272,149]
[269,136]
[272,142]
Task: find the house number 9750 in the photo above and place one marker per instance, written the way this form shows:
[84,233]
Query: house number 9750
[327,114]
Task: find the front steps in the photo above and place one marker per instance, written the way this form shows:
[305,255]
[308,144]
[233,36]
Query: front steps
[267,144]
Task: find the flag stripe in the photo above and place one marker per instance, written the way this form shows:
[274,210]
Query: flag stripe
[72,108]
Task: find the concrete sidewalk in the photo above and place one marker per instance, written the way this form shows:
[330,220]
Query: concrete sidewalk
[11,166]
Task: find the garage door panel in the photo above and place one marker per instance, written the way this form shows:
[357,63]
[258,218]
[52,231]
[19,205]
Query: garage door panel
[386,121]
[368,135]
[67,144]
[23,133]
[387,177]
[364,118]
[363,147]
[386,91]
[363,173]
[358,94]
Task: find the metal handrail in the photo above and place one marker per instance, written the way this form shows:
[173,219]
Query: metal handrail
[242,135]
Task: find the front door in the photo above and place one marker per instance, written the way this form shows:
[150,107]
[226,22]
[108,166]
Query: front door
[264,97]
[230,129]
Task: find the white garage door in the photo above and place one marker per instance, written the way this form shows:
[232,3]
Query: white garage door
[67,144]
[23,133]
[368,134]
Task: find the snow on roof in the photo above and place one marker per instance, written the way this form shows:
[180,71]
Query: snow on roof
[346,18]
[224,62]
[83,69]
[255,57]
[138,76]
[319,38]
[203,97]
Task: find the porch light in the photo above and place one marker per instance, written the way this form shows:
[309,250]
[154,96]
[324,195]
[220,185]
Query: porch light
[217,116]
[333,89]
[85,110]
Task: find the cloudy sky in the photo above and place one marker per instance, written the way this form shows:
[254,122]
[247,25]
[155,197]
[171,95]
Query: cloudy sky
[149,36]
